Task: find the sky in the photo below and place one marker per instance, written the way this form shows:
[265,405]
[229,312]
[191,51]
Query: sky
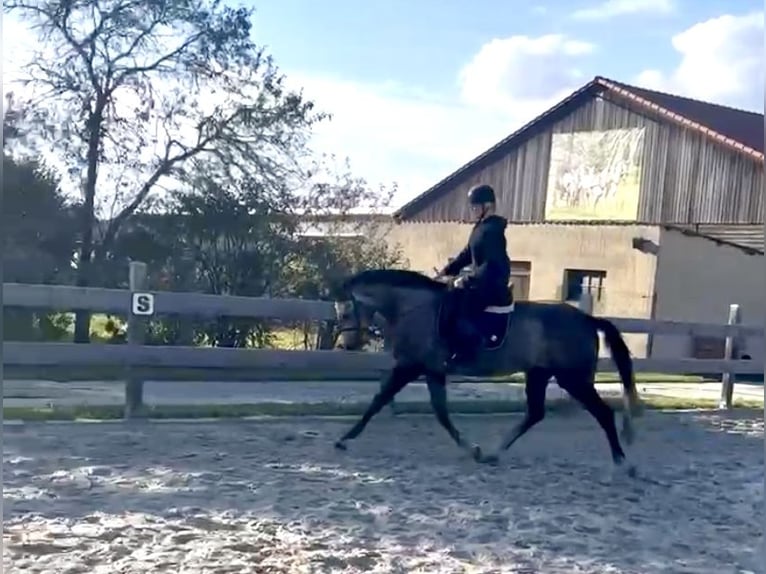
[417,89]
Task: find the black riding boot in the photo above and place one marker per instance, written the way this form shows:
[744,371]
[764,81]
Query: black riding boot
[466,343]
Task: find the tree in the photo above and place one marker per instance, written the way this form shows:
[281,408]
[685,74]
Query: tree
[38,243]
[326,259]
[344,231]
[11,131]
[239,242]
[244,240]
[132,94]
[38,224]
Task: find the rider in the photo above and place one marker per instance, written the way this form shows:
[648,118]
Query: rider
[487,284]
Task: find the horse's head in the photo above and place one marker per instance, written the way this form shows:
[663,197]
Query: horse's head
[351,330]
[354,314]
[387,293]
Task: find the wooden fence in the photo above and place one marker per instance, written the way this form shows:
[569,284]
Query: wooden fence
[132,360]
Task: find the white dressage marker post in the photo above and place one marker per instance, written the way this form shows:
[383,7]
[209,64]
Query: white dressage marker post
[141,307]
[727,379]
[142,304]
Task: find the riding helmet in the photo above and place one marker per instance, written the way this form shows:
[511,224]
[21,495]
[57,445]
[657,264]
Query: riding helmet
[481,194]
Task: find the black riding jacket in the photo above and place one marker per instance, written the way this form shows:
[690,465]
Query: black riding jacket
[487,251]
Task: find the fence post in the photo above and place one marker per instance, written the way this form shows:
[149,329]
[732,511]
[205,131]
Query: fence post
[186,323]
[137,327]
[727,380]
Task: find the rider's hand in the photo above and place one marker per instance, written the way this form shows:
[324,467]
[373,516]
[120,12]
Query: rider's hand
[440,276]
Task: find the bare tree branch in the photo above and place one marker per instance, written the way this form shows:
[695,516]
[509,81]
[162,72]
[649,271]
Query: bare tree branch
[123,82]
[131,51]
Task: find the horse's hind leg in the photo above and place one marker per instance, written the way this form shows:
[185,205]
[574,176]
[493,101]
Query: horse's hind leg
[536,384]
[397,379]
[582,388]
[437,389]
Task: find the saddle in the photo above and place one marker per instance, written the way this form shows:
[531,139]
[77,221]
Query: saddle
[492,322]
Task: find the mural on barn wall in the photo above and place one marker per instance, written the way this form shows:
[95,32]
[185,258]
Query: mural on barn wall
[595,175]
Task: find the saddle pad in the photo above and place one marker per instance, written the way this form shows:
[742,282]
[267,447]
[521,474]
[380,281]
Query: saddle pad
[501,310]
[493,326]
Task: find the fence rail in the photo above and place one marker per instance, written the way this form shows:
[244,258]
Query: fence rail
[137,355]
[118,302]
[341,362]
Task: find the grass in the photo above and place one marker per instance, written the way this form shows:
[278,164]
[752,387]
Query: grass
[107,373]
[282,338]
[115,412]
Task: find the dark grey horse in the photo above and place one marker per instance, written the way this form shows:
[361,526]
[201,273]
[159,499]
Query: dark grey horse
[543,340]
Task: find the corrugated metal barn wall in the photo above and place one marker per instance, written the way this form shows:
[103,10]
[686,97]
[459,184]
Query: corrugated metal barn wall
[686,178]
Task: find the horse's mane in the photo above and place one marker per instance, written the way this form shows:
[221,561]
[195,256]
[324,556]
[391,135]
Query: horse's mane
[394,278]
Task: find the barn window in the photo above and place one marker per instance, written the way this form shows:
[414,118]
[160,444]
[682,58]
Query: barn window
[579,281]
[521,271]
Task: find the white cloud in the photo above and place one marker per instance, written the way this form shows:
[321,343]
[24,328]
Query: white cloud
[416,139]
[391,134]
[612,8]
[722,60]
[521,71]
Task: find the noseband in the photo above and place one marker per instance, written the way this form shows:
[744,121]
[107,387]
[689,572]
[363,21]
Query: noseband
[356,327]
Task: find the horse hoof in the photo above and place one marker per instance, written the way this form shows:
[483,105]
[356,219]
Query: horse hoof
[622,467]
[491,459]
[476,453]
[340,445]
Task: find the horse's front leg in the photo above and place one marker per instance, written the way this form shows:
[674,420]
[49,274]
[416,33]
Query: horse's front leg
[437,388]
[397,379]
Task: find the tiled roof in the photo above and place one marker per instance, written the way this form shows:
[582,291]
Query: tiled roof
[740,127]
[740,130]
[743,235]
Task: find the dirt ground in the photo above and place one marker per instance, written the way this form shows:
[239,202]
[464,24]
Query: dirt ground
[275,497]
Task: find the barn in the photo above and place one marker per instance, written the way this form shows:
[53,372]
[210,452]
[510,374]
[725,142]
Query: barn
[651,202]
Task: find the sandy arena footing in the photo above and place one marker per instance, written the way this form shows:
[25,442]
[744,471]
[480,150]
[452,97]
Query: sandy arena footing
[275,497]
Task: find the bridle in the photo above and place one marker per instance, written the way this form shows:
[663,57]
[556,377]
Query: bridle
[356,325]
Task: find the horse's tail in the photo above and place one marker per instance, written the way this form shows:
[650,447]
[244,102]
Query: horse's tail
[623,360]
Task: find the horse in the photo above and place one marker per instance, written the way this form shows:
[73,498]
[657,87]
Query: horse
[543,340]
